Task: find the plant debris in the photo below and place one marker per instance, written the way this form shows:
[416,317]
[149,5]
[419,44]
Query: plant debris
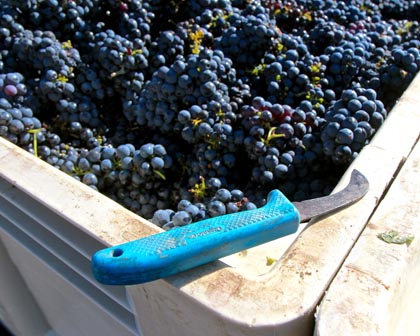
[394,237]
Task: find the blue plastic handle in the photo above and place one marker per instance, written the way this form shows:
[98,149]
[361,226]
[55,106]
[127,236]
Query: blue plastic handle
[183,248]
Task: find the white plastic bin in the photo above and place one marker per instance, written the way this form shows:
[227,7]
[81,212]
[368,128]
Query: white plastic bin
[376,291]
[50,225]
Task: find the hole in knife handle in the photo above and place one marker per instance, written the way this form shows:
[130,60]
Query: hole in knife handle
[117,252]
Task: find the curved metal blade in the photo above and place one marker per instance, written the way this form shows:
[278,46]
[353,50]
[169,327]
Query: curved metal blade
[354,191]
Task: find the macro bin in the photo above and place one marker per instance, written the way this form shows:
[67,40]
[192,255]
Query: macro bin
[51,224]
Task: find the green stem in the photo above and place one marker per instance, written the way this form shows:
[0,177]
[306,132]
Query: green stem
[35,139]
[271,135]
[160,174]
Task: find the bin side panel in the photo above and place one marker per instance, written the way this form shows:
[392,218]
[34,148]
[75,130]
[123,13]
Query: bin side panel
[18,309]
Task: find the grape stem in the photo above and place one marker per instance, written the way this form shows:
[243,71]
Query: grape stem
[122,71]
[159,174]
[199,189]
[35,140]
[271,135]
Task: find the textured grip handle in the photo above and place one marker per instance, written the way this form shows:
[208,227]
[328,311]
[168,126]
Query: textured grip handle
[182,248]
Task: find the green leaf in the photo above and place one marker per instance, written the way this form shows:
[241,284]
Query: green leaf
[393,237]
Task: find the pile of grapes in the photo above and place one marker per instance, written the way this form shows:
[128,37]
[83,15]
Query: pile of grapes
[187,109]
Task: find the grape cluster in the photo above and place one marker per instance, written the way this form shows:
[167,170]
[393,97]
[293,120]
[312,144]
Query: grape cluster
[117,55]
[186,110]
[248,36]
[12,87]
[17,122]
[223,202]
[199,80]
[397,75]
[351,122]
[165,49]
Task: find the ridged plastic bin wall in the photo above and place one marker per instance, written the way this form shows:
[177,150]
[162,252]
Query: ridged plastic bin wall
[50,225]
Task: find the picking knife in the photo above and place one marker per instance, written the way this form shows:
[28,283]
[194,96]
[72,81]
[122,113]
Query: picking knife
[182,248]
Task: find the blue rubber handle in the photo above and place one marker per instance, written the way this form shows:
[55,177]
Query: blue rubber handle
[182,248]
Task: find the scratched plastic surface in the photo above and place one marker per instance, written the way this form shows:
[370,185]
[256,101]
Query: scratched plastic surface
[183,248]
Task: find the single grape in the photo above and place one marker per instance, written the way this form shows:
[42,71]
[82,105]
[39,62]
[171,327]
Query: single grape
[181,218]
